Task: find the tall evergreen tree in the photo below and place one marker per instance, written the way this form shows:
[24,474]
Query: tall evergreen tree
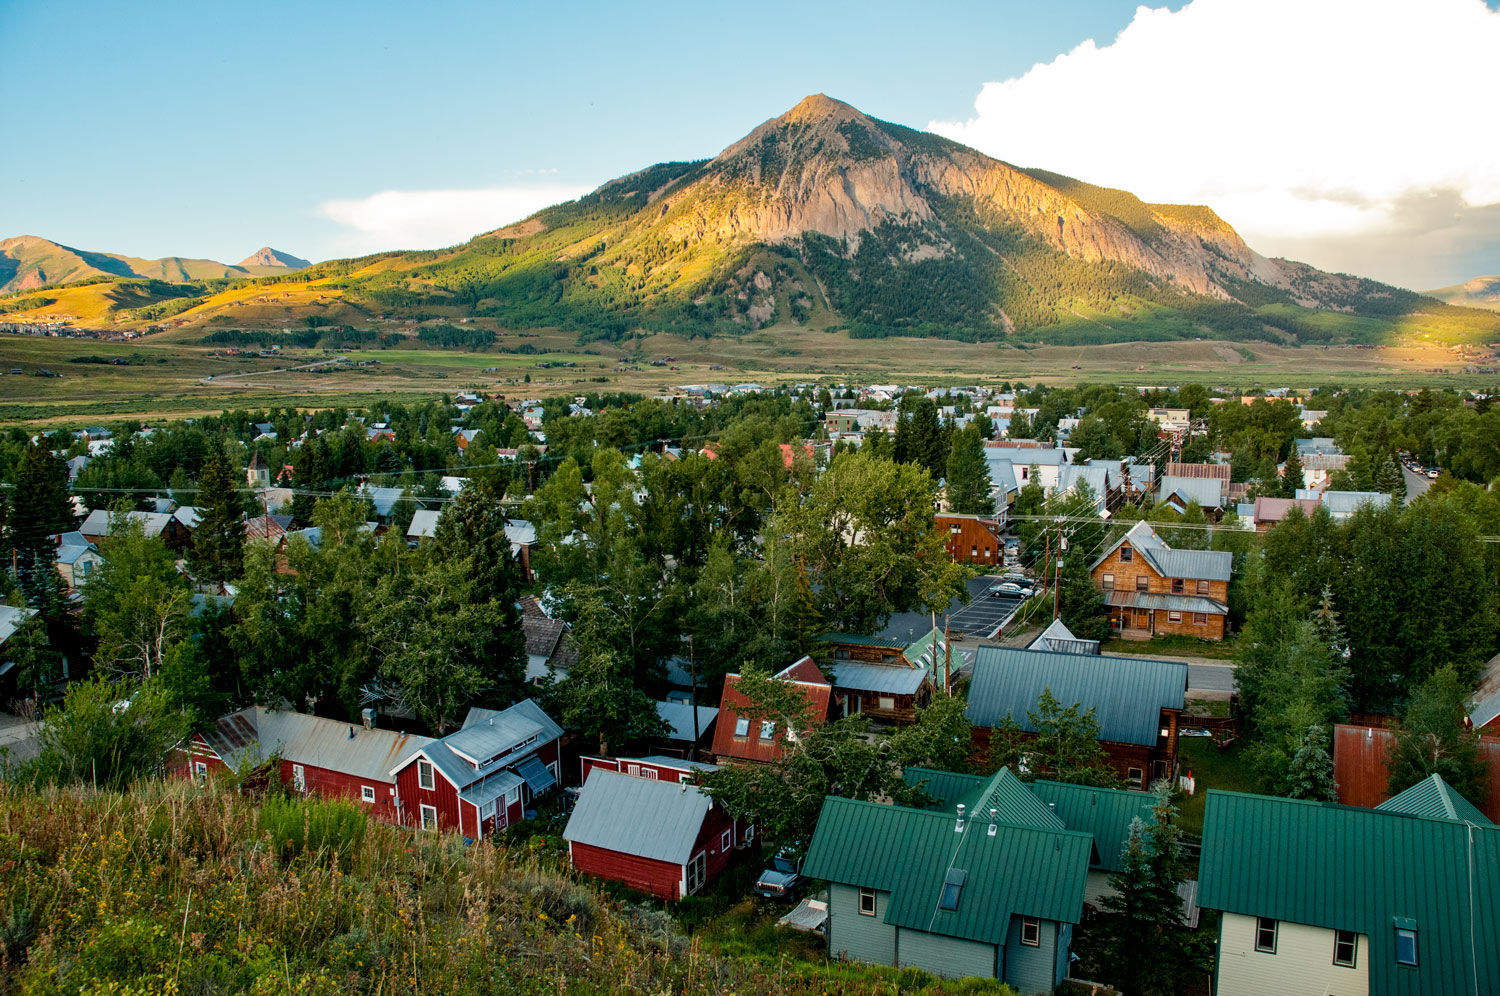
[1146,940]
[1291,475]
[1434,740]
[217,554]
[1310,775]
[40,508]
[968,475]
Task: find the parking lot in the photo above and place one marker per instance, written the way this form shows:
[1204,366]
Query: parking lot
[983,615]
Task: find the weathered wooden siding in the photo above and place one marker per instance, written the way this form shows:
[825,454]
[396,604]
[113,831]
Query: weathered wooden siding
[970,541]
[1302,964]
[860,938]
[950,957]
[1157,621]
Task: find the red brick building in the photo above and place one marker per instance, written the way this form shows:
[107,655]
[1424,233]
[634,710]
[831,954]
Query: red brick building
[645,822]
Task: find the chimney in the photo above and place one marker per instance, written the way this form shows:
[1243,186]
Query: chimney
[367,717]
[958,827]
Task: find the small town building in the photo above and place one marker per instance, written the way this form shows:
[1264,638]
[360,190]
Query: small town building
[689,727]
[1319,898]
[742,736]
[1269,512]
[479,780]
[77,558]
[971,539]
[100,523]
[647,823]
[1136,701]
[258,471]
[1150,588]
[1058,639]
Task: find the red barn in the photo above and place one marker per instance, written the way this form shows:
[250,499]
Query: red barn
[479,780]
[740,737]
[646,823]
[315,755]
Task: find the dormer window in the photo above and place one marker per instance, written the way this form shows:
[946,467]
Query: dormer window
[953,887]
[1406,942]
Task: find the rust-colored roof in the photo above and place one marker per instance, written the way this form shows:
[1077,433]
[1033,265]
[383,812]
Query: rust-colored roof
[751,748]
[803,670]
[1276,509]
[1359,767]
[1214,470]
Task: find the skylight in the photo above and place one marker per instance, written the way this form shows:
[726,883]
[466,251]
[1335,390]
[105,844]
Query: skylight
[953,884]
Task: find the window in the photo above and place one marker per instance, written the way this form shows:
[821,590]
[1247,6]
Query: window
[866,902]
[684,778]
[1178,586]
[887,702]
[1203,587]
[1031,932]
[1127,555]
[1265,934]
[424,775]
[1200,619]
[841,655]
[200,769]
[767,729]
[429,818]
[1345,947]
[973,551]
[299,778]
[487,811]
[1174,617]
[953,887]
[726,840]
[1107,582]
[649,774]
[696,872]
[1135,776]
[1406,946]
[1142,583]
[741,727]
[367,793]
[633,769]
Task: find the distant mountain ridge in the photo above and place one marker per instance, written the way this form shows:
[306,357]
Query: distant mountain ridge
[1481,292]
[29,262]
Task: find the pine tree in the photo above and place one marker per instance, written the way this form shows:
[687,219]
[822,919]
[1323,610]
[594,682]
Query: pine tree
[1146,941]
[969,475]
[40,508]
[1080,603]
[1311,773]
[218,551]
[1388,478]
[1291,475]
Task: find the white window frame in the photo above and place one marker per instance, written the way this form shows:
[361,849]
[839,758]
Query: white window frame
[726,840]
[685,777]
[768,729]
[650,774]
[1411,932]
[426,776]
[299,778]
[1353,945]
[742,727]
[422,812]
[697,868]
[1136,776]
[200,769]
[887,702]
[1031,926]
[867,898]
[367,793]
[1264,924]
[487,811]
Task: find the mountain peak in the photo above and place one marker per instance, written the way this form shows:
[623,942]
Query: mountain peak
[820,107]
[266,256]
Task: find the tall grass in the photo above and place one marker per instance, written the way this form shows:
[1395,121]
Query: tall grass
[176,888]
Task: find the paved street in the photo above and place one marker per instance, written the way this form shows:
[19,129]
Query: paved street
[1416,484]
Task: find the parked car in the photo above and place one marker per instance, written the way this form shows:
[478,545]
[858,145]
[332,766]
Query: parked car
[782,880]
[1009,589]
[1432,475]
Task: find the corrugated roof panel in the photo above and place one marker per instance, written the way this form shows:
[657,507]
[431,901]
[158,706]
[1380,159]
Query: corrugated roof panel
[879,678]
[1103,813]
[1435,798]
[1126,694]
[651,819]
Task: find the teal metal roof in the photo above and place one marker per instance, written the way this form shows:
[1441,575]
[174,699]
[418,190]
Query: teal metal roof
[1345,868]
[1435,798]
[945,788]
[1104,814]
[1127,694]
[1020,870]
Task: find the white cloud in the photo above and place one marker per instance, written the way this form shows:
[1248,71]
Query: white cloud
[1310,125]
[432,219]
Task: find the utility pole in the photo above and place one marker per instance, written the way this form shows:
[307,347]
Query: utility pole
[1057,575]
[693,700]
[947,657]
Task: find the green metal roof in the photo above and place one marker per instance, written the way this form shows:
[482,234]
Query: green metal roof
[1435,798]
[1345,868]
[1103,813]
[946,788]
[1127,693]
[1020,870]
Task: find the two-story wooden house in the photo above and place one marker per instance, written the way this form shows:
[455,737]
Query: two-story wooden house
[742,733]
[647,823]
[971,539]
[1136,701]
[1150,588]
[1318,898]
[478,781]
[988,889]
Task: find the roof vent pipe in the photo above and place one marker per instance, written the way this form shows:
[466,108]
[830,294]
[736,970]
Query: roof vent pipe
[958,826]
[994,815]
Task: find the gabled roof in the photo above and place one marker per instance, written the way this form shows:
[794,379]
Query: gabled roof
[1276,509]
[1195,565]
[489,741]
[881,679]
[679,718]
[1341,504]
[1208,492]
[1058,639]
[11,619]
[659,820]
[98,522]
[423,524]
[1365,870]
[854,640]
[816,689]
[1126,694]
[1103,813]
[1435,798]
[255,734]
[910,853]
[802,670]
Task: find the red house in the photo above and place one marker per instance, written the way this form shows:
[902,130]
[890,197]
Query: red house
[312,754]
[478,781]
[646,823]
[741,737]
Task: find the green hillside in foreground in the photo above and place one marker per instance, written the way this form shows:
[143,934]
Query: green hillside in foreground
[174,888]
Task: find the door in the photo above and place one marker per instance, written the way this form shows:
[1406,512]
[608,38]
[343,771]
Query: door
[696,870]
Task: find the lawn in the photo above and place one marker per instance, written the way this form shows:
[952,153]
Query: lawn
[1173,646]
[1212,769]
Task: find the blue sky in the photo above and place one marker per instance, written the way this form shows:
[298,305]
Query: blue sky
[204,129]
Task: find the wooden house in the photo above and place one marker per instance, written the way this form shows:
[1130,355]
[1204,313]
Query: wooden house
[990,889]
[1136,701]
[310,754]
[479,780]
[99,524]
[1150,588]
[971,539]
[647,823]
[77,559]
[741,735]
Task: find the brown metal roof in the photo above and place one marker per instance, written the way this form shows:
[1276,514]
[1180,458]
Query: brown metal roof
[1214,470]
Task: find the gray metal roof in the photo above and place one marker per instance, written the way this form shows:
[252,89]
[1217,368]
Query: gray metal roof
[650,819]
[679,716]
[1168,603]
[1058,639]
[486,734]
[1208,492]
[490,788]
[1197,565]
[879,678]
[256,733]
[1341,504]
[11,619]
[1126,694]
[423,524]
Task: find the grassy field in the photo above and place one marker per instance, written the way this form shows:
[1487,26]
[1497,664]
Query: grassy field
[1212,769]
[174,373]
